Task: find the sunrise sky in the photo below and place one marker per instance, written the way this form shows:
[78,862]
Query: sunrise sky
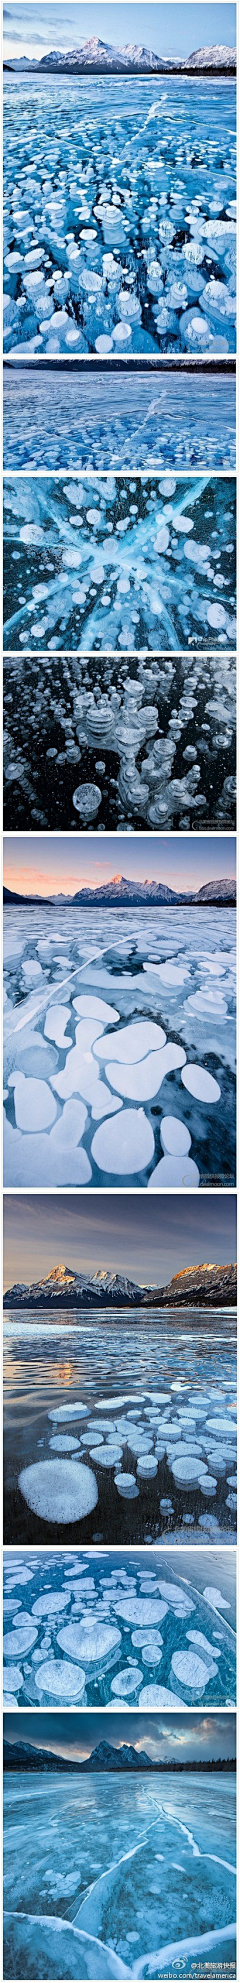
[169,29]
[188,1736]
[47,864]
[143,1238]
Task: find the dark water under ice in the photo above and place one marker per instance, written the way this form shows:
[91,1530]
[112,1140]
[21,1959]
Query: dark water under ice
[154,738]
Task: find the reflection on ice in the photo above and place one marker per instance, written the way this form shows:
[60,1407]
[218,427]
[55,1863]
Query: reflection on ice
[149,1095]
[151,564]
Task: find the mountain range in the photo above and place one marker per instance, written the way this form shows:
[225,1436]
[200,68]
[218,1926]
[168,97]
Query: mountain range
[207,1285]
[23,1756]
[98,57]
[120,893]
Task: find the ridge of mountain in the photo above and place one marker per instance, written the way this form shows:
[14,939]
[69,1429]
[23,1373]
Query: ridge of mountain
[23,1756]
[208,1284]
[95,55]
[120,891]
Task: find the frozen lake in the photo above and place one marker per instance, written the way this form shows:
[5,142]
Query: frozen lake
[120,215]
[119,1046]
[106,1626]
[151,1911]
[58,418]
[175,1444]
[108,562]
[166,731]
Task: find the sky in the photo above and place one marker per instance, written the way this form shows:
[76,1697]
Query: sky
[149,1240]
[165,1737]
[49,864]
[174,29]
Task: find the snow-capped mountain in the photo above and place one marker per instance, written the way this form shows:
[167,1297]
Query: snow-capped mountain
[213,58]
[121,892]
[98,56]
[205,1286]
[23,1755]
[200,1286]
[69,1289]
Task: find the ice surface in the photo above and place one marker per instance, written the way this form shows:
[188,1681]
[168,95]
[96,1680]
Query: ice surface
[158,417]
[40,1944]
[77,1622]
[155,600]
[122,238]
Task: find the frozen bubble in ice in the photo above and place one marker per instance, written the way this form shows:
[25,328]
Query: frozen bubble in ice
[93,1642]
[175,1136]
[64,1442]
[157,1697]
[126,1486]
[162,539]
[69,1411]
[14,1678]
[61,1678]
[124,1144]
[151,1653]
[189,1470]
[32,534]
[134,1042]
[103,345]
[214,1597]
[170,974]
[31,970]
[192,1671]
[20,1640]
[59,1490]
[127,1681]
[35,1105]
[147,1466]
[49,1604]
[89,1007]
[177,1171]
[55,1024]
[87,799]
[176,1597]
[199,1083]
[106,1456]
[216,615]
[140,1610]
[198,1639]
